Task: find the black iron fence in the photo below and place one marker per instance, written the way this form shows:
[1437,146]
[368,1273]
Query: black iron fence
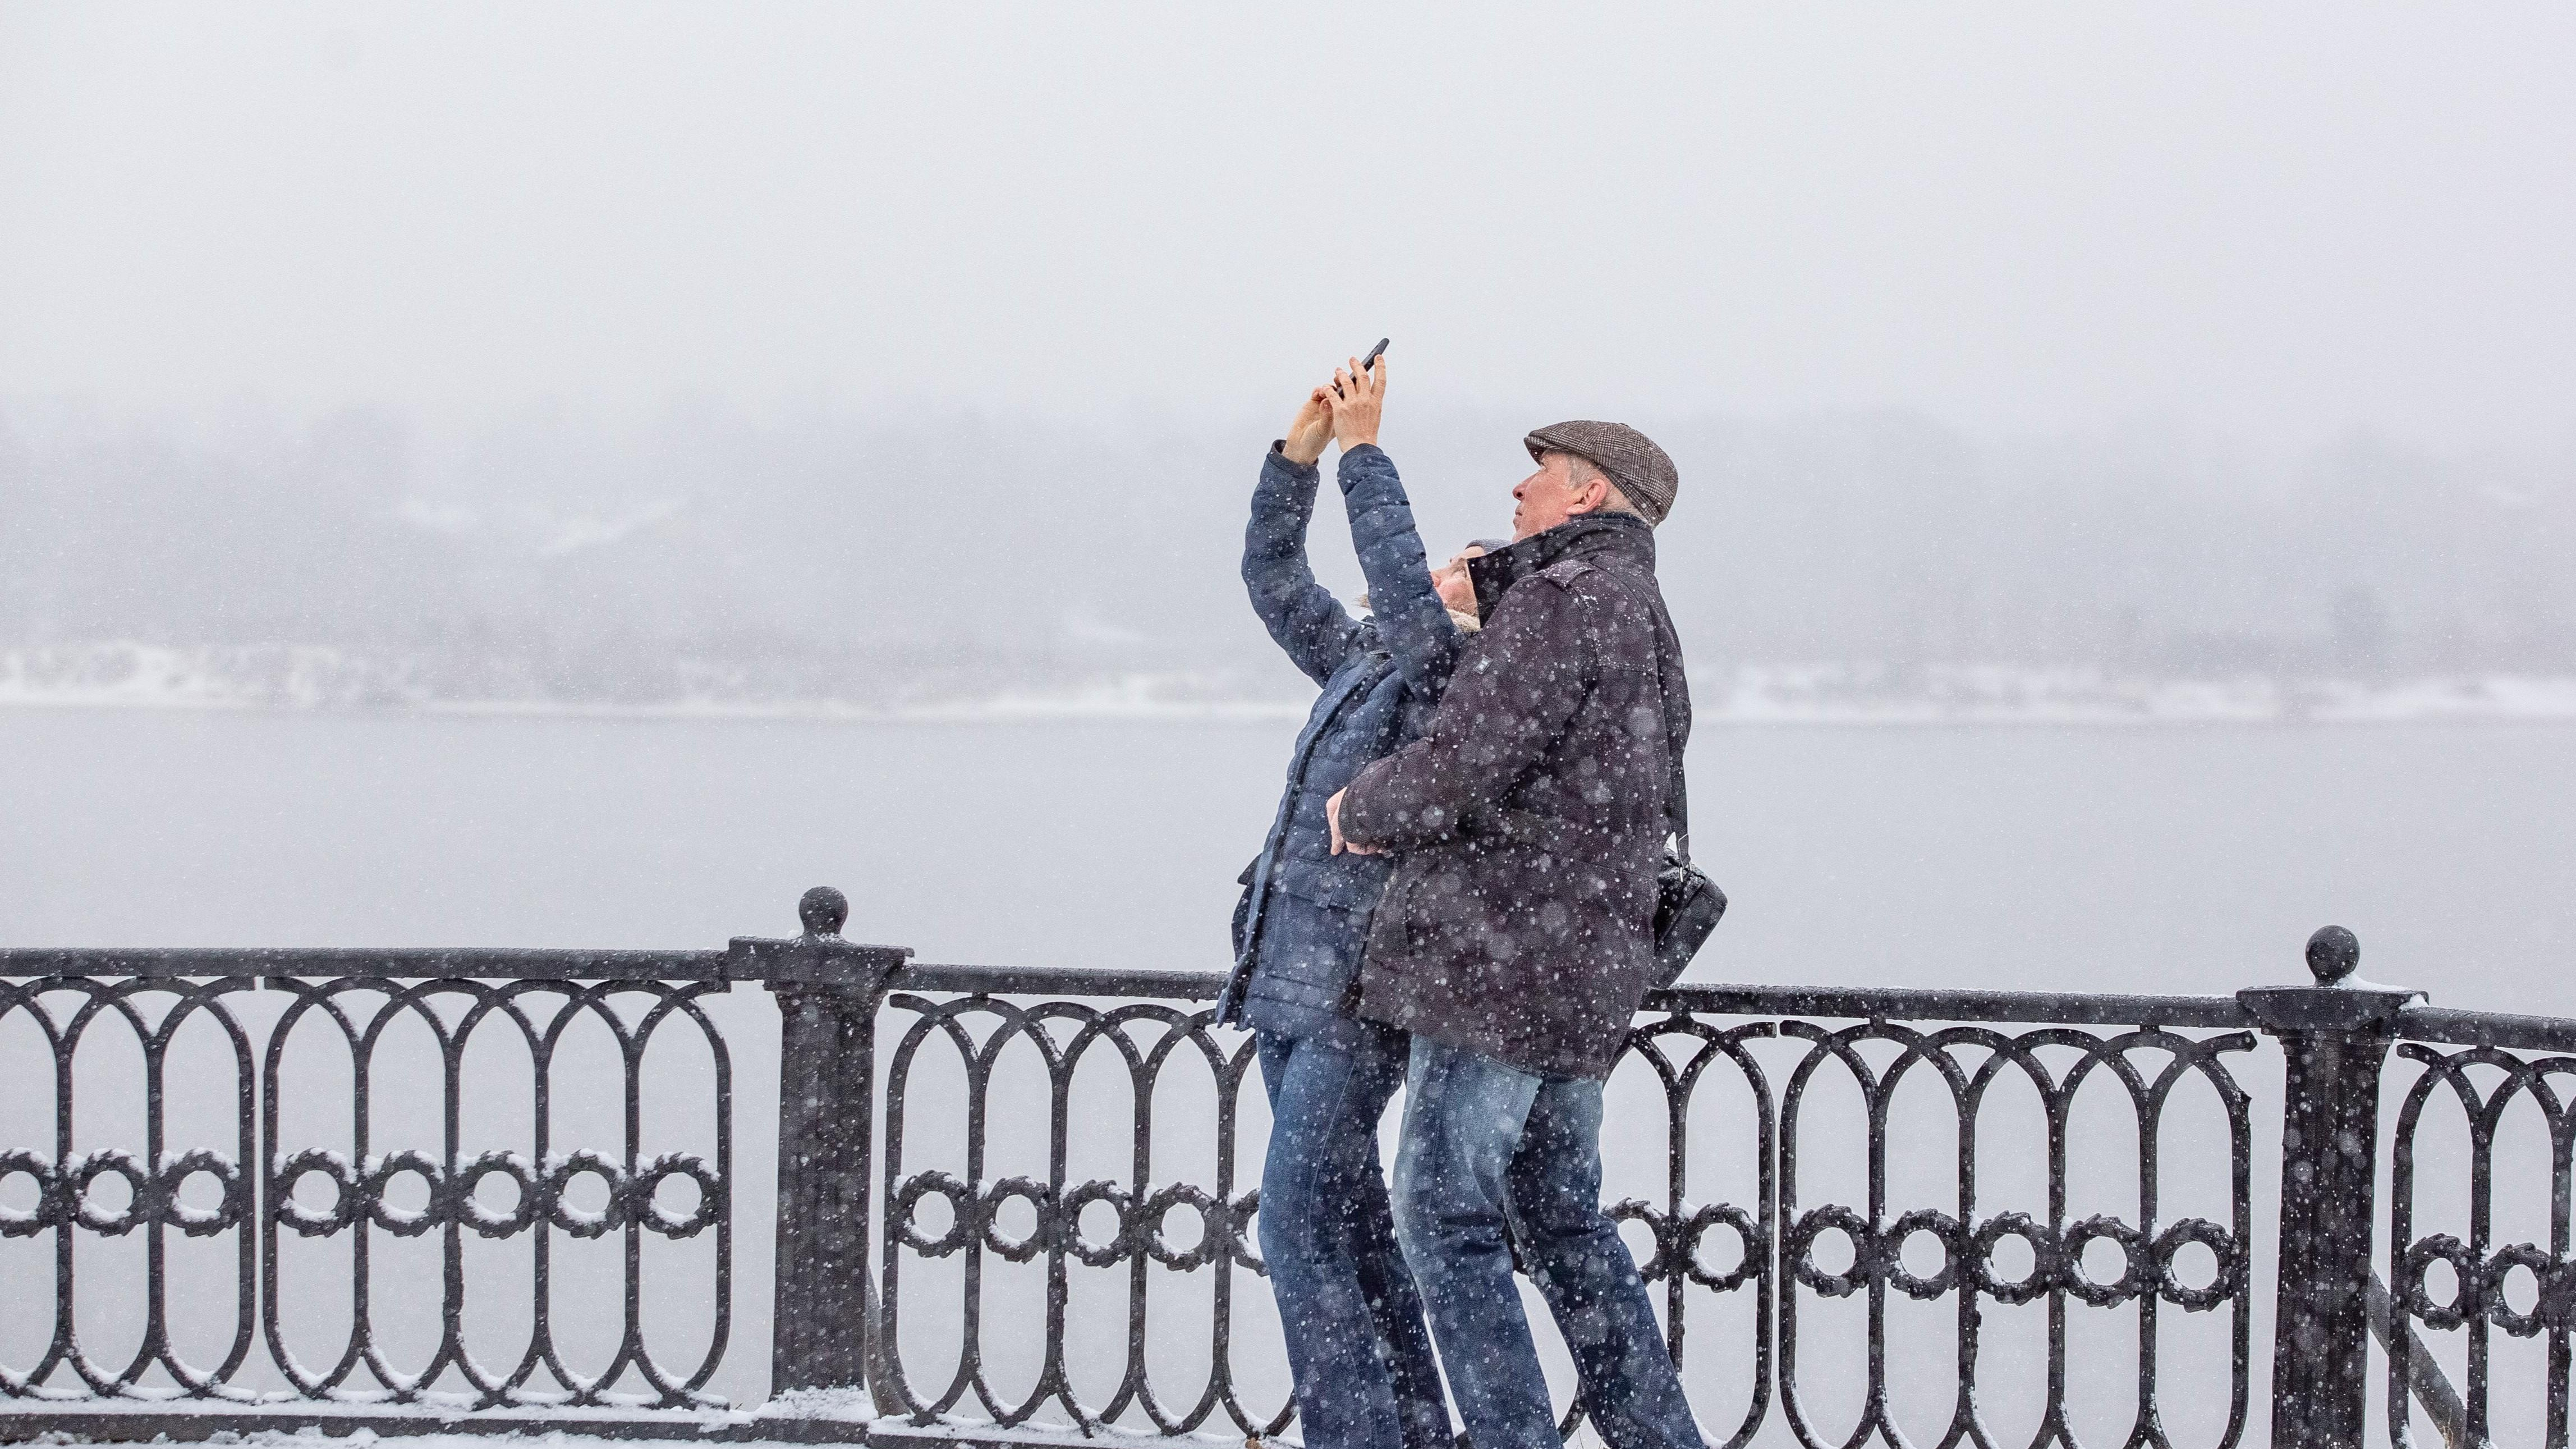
[1868,1215]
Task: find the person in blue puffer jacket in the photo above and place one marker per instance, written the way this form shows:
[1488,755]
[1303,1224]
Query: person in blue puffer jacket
[1366,1376]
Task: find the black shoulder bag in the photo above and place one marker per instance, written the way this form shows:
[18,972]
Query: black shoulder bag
[1687,903]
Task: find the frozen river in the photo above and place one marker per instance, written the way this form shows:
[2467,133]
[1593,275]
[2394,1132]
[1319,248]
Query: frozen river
[2098,858]
[2169,859]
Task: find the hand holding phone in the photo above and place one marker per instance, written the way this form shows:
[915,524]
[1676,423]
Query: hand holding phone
[1364,363]
[1359,398]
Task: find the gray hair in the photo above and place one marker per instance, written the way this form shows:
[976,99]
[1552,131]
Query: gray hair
[1581,471]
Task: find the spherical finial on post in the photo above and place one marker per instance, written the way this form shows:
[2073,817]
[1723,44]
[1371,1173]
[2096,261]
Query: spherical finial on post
[823,910]
[2333,955]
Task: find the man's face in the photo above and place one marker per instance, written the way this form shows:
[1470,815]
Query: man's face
[1544,499]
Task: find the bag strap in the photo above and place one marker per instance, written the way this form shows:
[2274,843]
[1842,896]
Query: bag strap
[1681,809]
[1677,798]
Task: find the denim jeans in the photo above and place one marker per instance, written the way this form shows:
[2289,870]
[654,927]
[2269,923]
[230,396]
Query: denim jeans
[1366,1377]
[1483,1142]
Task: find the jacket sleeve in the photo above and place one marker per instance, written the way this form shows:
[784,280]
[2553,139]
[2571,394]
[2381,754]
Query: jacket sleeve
[1411,620]
[1301,614]
[1516,688]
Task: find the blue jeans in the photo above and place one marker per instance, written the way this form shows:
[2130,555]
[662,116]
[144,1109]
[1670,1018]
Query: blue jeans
[1483,1142]
[1366,1377]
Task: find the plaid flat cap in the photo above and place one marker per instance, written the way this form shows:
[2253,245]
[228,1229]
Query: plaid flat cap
[1644,472]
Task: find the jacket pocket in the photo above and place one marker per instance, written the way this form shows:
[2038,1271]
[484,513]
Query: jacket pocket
[1330,883]
[1403,909]
[1314,948]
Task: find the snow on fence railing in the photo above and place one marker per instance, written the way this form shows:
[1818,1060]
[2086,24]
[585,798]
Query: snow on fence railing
[1850,1201]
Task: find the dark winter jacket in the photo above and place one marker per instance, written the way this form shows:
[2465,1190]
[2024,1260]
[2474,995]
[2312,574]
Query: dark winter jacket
[1305,910]
[1530,818]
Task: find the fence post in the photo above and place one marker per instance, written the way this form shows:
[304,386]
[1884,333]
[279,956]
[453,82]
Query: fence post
[2334,1036]
[822,1334]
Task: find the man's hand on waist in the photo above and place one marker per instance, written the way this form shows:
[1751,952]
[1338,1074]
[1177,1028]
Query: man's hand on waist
[1333,818]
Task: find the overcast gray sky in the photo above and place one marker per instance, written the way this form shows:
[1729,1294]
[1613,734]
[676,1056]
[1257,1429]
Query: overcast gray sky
[2280,219]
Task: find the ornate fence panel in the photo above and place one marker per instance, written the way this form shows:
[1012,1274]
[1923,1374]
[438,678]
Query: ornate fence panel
[2142,1067]
[543,1179]
[2472,1071]
[66,1011]
[1843,1200]
[1142,1039]
[445,1177]
[1690,1038]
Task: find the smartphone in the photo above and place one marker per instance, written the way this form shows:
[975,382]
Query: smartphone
[1366,362]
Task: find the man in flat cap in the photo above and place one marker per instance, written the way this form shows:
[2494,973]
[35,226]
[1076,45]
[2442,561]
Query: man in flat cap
[1515,941]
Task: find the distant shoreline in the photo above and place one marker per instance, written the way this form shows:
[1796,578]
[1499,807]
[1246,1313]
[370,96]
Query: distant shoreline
[320,679]
[2556,705]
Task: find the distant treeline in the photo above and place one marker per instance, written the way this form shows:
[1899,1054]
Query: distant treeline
[556,557]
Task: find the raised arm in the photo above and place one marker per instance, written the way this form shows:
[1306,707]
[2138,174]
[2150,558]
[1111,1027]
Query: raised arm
[1411,621]
[1511,698]
[1301,614]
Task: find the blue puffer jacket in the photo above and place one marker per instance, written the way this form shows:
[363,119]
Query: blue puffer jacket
[1305,911]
